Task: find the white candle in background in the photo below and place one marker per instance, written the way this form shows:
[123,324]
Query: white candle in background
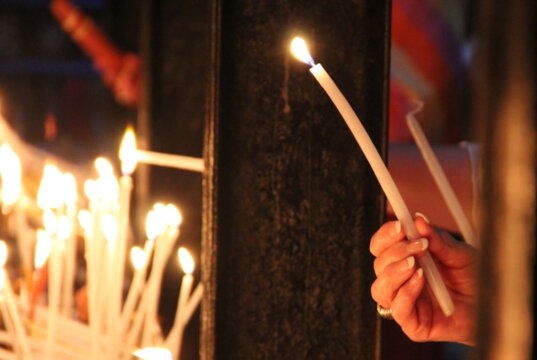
[140,260]
[127,155]
[175,338]
[9,297]
[192,304]
[11,174]
[54,288]
[440,178]
[170,160]
[434,278]
[155,228]
[70,199]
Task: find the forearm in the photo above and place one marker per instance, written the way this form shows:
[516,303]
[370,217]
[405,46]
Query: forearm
[418,188]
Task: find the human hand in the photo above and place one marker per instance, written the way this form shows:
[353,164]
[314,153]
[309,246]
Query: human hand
[401,286]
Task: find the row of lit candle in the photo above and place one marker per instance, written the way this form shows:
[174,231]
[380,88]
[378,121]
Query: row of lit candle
[104,226]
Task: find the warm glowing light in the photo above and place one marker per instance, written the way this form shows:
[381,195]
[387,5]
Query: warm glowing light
[103,167]
[50,222]
[69,189]
[110,228]
[138,257]
[173,216]
[2,281]
[155,224]
[10,171]
[300,51]
[153,353]
[64,228]
[186,260]
[90,188]
[42,248]
[50,190]
[3,253]
[85,220]
[127,152]
[108,187]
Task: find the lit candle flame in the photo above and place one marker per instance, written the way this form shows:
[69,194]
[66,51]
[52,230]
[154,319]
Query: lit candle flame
[85,220]
[138,257]
[173,216]
[127,152]
[42,248]
[3,253]
[103,166]
[300,51]
[90,188]
[10,172]
[69,189]
[153,353]
[155,224]
[186,260]
[49,193]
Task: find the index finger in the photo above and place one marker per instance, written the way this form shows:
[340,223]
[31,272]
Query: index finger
[388,234]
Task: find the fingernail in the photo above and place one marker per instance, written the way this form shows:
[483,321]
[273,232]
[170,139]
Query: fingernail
[417,245]
[397,227]
[410,262]
[424,243]
[423,217]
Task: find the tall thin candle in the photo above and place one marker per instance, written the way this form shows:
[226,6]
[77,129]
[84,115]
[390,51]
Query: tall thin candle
[175,338]
[434,278]
[9,297]
[440,178]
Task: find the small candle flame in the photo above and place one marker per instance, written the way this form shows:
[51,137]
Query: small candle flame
[153,353]
[69,189]
[90,188]
[85,220]
[300,51]
[50,190]
[155,224]
[103,166]
[10,172]
[3,253]
[127,152]
[138,257]
[42,248]
[173,216]
[186,260]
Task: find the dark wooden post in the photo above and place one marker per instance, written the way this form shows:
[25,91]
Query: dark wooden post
[506,103]
[290,200]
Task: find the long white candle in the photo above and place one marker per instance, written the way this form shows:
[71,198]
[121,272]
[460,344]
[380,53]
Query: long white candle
[386,181]
[175,338]
[54,288]
[170,160]
[192,304]
[441,179]
[136,286]
[20,332]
